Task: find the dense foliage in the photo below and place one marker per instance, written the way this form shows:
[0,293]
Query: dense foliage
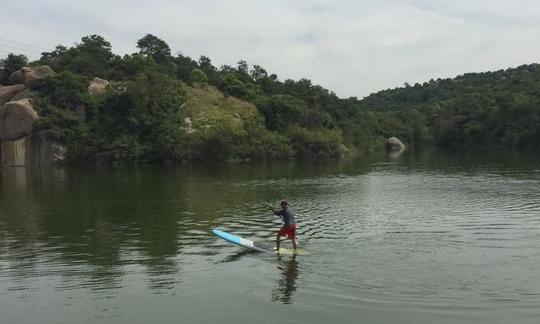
[11,64]
[164,107]
[492,109]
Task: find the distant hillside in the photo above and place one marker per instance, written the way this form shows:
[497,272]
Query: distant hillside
[491,109]
[91,105]
[521,80]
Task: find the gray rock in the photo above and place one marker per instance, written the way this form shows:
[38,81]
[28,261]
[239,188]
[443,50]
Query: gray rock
[394,147]
[17,77]
[32,77]
[32,150]
[188,126]
[8,92]
[17,119]
[98,86]
[14,152]
[393,144]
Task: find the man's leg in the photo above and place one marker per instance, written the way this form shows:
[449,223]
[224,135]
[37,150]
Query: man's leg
[293,239]
[277,241]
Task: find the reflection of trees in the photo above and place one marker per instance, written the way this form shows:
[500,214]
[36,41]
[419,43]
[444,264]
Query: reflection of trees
[89,226]
[286,285]
[89,223]
[132,221]
[94,222]
[456,161]
[19,225]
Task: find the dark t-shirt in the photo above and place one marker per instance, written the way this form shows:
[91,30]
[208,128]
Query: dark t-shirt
[287,215]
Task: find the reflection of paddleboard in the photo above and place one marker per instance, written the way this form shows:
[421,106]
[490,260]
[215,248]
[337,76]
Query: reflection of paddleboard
[257,246]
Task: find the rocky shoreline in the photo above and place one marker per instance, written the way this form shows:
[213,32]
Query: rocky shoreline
[19,145]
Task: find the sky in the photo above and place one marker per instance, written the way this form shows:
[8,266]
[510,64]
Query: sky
[352,48]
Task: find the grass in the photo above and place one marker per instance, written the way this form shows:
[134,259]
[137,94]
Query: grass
[206,106]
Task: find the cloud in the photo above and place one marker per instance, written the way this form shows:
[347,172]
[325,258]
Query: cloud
[351,47]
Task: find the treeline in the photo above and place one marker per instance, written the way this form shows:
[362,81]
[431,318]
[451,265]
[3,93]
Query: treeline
[476,110]
[141,117]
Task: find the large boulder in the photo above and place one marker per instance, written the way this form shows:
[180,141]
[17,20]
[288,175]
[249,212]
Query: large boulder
[18,76]
[393,144]
[8,92]
[32,77]
[14,152]
[17,119]
[32,150]
[97,86]
[394,147]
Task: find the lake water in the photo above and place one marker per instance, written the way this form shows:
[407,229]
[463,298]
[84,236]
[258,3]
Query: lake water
[430,238]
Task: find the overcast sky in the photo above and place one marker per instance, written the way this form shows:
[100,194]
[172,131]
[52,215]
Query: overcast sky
[351,47]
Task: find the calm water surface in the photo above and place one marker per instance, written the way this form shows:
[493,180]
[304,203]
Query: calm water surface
[430,238]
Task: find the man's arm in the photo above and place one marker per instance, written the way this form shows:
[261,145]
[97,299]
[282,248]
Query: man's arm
[275,211]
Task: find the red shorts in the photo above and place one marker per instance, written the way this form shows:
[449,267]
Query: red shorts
[289,231]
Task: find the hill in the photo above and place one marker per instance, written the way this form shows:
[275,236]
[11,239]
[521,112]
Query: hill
[492,109]
[152,106]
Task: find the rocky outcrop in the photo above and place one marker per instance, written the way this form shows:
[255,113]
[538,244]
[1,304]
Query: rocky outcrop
[98,86]
[393,144]
[18,146]
[14,152]
[17,119]
[32,150]
[394,147]
[188,125]
[32,77]
[8,92]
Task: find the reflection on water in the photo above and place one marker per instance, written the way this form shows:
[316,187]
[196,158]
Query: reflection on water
[236,256]
[286,285]
[448,237]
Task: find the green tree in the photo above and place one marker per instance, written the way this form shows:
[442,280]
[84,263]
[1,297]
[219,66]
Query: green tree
[184,66]
[137,63]
[66,91]
[280,111]
[91,57]
[10,64]
[197,76]
[242,67]
[143,123]
[205,64]
[315,143]
[155,47]
[57,59]
[231,85]
[258,73]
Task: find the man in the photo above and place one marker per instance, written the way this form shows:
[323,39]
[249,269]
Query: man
[289,226]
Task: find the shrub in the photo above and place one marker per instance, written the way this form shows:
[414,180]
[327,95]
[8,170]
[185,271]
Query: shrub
[197,76]
[318,143]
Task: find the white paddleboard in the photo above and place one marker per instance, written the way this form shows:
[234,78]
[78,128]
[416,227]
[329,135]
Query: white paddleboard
[256,246]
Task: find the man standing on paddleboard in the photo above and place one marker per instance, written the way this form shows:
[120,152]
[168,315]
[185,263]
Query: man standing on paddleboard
[289,226]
